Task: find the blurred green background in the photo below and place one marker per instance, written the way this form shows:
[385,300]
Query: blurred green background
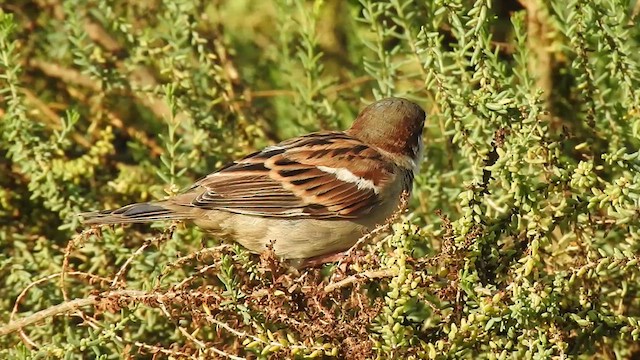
[522,236]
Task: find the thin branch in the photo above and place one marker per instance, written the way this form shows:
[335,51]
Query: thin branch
[110,297]
[634,12]
[119,275]
[63,308]
[200,272]
[50,117]
[249,94]
[367,275]
[197,255]
[204,347]
[24,292]
[538,30]
[67,75]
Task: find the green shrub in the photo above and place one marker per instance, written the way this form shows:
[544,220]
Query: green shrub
[522,239]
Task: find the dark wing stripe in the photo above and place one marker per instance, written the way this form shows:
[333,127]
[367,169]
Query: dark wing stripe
[284,181]
[303,181]
[256,206]
[229,189]
[285,162]
[138,209]
[252,167]
[291,173]
[218,200]
[317,184]
[335,190]
[266,153]
[136,213]
[354,204]
[332,190]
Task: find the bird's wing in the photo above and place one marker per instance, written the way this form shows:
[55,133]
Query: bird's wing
[327,175]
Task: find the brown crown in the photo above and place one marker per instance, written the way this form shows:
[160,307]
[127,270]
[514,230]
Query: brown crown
[392,124]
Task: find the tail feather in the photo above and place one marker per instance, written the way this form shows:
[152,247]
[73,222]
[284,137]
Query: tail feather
[137,213]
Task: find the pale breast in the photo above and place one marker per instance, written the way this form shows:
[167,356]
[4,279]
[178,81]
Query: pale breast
[293,238]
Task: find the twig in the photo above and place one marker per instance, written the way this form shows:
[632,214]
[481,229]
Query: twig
[50,116]
[47,313]
[24,292]
[634,12]
[150,143]
[98,34]
[166,234]
[196,255]
[373,274]
[67,75]
[65,266]
[241,334]
[223,325]
[351,83]
[116,296]
[189,279]
[270,93]
[65,260]
[538,29]
[35,317]
[150,348]
[331,89]
[123,268]
[203,347]
[140,78]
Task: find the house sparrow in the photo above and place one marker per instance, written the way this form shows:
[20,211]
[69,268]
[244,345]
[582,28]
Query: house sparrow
[312,195]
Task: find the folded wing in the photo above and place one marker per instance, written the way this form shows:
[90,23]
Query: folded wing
[327,175]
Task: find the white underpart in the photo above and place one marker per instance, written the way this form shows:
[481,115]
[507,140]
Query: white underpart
[418,160]
[347,176]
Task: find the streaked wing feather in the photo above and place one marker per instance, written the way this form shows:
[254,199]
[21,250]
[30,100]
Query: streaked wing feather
[284,180]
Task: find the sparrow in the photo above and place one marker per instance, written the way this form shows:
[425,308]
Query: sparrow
[308,196]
